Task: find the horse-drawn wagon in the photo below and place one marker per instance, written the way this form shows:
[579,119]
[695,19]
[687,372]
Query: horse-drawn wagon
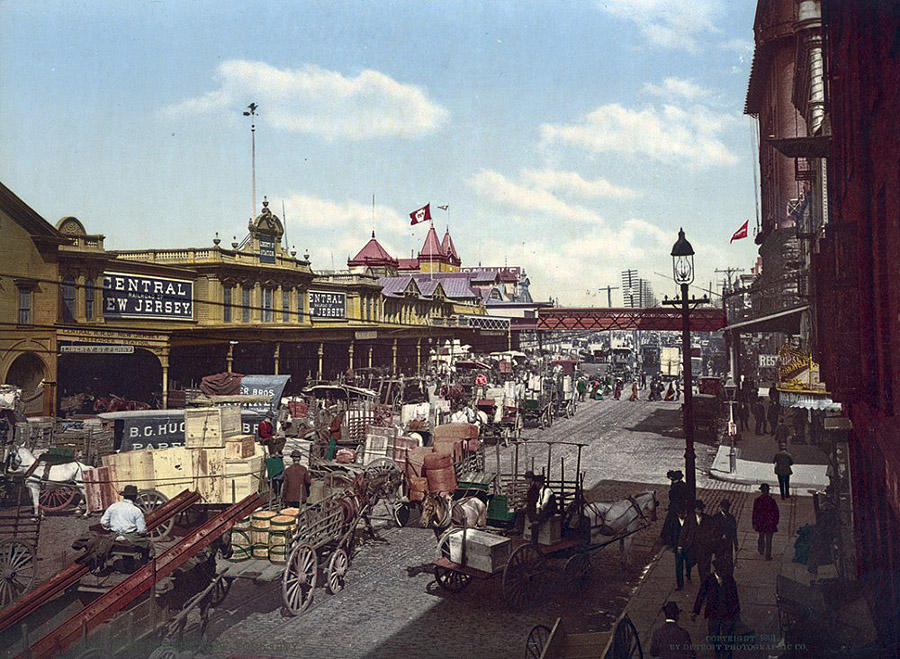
[621,642]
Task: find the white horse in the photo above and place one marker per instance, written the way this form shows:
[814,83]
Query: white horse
[68,472]
[610,519]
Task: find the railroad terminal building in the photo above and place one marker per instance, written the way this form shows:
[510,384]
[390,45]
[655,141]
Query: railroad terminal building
[146,324]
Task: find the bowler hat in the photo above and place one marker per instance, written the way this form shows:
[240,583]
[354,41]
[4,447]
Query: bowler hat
[130,491]
[296,454]
[529,474]
[764,487]
[674,474]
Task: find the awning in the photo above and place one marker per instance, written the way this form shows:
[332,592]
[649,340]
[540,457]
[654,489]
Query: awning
[817,146]
[808,401]
[787,321]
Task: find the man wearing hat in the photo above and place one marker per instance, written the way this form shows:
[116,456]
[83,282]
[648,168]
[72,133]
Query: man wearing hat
[719,592]
[698,539]
[765,520]
[296,481]
[540,503]
[671,641]
[266,432]
[126,520]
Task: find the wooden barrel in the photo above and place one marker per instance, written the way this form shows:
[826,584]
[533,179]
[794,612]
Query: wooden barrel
[280,530]
[437,461]
[441,480]
[418,486]
[259,532]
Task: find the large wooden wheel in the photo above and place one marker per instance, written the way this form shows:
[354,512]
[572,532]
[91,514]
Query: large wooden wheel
[625,643]
[54,498]
[337,571]
[402,513]
[537,639]
[523,577]
[148,501]
[16,571]
[299,579]
[577,571]
[451,580]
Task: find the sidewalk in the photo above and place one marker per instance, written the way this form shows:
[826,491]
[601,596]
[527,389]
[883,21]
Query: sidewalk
[755,577]
[754,463]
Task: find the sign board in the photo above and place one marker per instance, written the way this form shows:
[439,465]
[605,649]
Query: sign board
[98,350]
[266,250]
[363,336]
[138,296]
[263,385]
[325,304]
[768,361]
[153,429]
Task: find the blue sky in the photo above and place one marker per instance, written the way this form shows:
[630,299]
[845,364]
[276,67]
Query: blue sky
[572,138]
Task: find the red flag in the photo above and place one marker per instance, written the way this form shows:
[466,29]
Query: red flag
[740,233]
[421,215]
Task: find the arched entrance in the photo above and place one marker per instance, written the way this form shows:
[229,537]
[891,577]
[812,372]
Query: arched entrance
[26,372]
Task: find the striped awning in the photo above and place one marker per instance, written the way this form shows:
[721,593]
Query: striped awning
[808,401]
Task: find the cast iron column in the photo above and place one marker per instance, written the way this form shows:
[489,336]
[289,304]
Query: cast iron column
[689,468]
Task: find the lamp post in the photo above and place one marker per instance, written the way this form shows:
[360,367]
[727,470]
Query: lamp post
[683,274]
[730,391]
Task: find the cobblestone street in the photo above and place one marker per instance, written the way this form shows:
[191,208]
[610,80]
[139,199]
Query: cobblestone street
[391,605]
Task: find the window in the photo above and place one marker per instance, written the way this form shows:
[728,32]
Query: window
[245,304]
[285,305]
[267,305]
[68,298]
[226,304]
[25,304]
[89,299]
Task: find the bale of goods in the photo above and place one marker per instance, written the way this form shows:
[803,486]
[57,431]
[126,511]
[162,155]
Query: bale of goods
[260,523]
[449,446]
[467,432]
[345,456]
[439,473]
[435,461]
[209,427]
[239,447]
[418,486]
[415,459]
[280,530]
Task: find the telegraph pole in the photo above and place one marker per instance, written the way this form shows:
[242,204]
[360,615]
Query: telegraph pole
[251,112]
[609,290]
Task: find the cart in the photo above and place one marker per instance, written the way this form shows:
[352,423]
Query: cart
[536,408]
[19,533]
[620,642]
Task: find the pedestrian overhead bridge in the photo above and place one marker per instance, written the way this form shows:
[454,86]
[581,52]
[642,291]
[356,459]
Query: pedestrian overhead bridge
[704,319]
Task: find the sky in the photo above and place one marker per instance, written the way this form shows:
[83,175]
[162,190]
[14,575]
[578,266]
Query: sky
[570,138]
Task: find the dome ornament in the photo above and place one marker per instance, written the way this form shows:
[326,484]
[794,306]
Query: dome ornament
[234,242]
[217,240]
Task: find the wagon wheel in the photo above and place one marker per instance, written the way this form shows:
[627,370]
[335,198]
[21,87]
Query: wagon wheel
[626,643]
[402,513]
[523,576]
[451,580]
[16,570]
[148,501]
[57,497]
[577,571]
[299,579]
[220,592]
[240,551]
[394,480]
[537,639]
[337,571]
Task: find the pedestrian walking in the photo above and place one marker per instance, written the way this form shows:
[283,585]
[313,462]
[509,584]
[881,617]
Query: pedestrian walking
[782,433]
[765,521]
[581,387]
[634,392]
[719,592]
[697,538]
[759,416]
[726,533]
[671,535]
[772,413]
[643,380]
[783,461]
[670,640]
[743,411]
[678,494]
[617,394]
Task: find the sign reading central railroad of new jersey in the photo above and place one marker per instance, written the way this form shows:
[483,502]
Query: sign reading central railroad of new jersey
[137,296]
[324,304]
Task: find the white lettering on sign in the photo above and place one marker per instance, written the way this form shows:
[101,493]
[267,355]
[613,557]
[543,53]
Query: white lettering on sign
[768,361]
[137,296]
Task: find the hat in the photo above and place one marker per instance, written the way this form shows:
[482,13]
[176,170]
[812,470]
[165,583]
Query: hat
[539,478]
[130,491]
[671,609]
[296,453]
[764,487]
[674,475]
[529,474]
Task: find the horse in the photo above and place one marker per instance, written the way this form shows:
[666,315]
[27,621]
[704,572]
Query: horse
[68,472]
[609,519]
[440,512]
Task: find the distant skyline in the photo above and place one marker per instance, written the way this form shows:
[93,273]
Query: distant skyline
[572,139]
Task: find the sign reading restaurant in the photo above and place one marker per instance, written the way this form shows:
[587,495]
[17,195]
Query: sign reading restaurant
[325,304]
[138,296]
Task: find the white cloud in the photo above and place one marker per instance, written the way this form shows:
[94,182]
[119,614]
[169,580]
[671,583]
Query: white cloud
[672,87]
[670,134]
[573,183]
[675,24]
[321,102]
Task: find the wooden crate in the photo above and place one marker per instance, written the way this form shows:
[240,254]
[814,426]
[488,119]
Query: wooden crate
[100,488]
[239,447]
[484,551]
[208,468]
[549,532]
[173,470]
[242,478]
[209,427]
[132,468]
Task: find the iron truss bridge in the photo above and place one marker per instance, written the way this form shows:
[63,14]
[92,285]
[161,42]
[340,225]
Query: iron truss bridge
[657,318]
[474,322]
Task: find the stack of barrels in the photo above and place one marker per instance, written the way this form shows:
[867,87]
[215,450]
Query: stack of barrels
[270,534]
[440,473]
[260,523]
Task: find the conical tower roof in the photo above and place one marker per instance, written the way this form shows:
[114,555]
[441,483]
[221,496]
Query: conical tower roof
[449,249]
[431,250]
[373,254]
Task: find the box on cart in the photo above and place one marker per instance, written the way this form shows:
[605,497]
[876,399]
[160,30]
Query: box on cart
[483,551]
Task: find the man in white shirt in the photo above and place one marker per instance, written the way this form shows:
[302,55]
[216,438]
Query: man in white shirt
[126,520]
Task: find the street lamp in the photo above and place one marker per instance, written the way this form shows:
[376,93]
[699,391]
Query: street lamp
[730,391]
[683,274]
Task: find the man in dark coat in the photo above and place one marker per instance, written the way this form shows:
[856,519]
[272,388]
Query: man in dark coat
[296,481]
[783,461]
[670,640]
[720,593]
[677,491]
[765,520]
[726,534]
[773,417]
[697,538]
[759,415]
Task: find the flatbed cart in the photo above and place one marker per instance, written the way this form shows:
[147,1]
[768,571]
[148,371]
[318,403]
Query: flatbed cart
[621,642]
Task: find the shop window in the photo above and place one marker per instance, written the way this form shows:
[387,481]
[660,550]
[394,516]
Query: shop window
[68,299]
[26,302]
[267,305]
[245,305]
[89,299]
[285,305]
[226,304]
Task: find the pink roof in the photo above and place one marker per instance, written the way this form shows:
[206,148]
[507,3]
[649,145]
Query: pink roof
[373,254]
[408,264]
[448,248]
[431,250]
